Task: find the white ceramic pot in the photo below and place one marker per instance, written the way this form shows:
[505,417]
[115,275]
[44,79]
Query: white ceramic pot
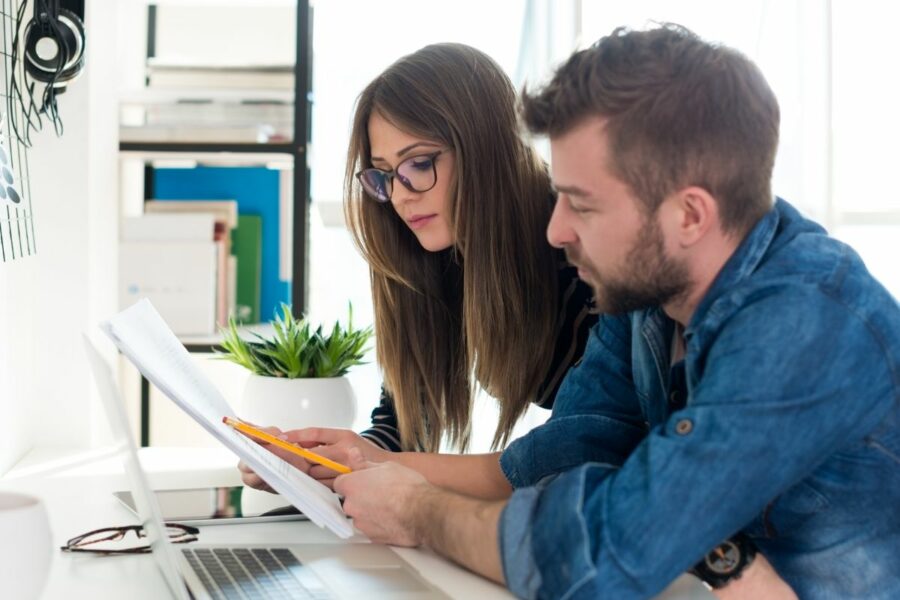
[25,546]
[297,403]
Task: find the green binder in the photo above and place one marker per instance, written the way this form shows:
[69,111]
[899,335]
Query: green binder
[247,247]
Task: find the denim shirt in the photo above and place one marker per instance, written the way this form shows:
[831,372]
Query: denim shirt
[790,432]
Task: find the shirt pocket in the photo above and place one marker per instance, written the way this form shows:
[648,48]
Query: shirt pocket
[788,512]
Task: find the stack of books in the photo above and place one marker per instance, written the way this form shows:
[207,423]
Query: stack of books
[264,198]
[196,260]
[211,104]
[192,76]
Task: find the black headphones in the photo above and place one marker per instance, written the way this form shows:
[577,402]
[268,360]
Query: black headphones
[54,44]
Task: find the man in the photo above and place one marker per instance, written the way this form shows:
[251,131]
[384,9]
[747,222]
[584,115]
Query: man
[746,378]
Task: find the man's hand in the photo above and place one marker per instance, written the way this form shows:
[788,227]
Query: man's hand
[381,498]
[759,580]
[395,505]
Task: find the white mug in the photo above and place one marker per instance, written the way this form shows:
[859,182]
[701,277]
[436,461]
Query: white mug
[26,547]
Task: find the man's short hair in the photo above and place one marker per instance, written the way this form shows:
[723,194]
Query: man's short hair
[680,111]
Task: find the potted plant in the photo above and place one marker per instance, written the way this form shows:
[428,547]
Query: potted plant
[297,375]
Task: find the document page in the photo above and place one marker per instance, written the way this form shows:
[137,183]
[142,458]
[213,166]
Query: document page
[143,337]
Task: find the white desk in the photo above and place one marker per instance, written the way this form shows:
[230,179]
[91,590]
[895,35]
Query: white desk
[77,491]
[77,487]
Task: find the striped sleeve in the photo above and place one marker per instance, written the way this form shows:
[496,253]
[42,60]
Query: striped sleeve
[576,317]
[384,431]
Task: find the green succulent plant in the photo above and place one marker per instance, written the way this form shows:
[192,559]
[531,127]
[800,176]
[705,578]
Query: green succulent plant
[296,350]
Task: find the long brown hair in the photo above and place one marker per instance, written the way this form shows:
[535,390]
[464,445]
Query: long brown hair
[485,310]
[680,111]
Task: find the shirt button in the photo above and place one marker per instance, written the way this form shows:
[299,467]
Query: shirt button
[684,426]
[673,398]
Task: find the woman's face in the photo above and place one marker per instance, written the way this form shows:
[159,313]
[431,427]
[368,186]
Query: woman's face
[425,213]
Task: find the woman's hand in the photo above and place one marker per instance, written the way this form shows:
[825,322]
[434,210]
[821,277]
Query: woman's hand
[330,443]
[334,444]
[249,476]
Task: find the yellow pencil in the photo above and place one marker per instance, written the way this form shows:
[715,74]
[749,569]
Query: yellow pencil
[271,439]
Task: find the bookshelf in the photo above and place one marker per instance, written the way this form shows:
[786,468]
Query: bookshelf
[278,150]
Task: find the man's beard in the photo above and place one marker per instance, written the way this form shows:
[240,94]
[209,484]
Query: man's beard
[649,277]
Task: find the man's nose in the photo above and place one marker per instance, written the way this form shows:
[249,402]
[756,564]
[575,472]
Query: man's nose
[559,233]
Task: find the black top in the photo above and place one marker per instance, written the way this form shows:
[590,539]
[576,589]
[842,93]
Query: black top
[576,319]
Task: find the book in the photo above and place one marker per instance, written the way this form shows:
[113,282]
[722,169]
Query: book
[197,227]
[142,335]
[179,277]
[232,282]
[286,223]
[224,210]
[222,134]
[248,247]
[276,77]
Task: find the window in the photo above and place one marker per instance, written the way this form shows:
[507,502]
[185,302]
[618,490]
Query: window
[866,93]
[830,65]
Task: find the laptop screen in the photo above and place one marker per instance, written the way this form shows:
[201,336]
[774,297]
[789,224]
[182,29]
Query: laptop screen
[146,504]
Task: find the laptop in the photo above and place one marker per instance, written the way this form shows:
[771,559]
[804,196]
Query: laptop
[222,572]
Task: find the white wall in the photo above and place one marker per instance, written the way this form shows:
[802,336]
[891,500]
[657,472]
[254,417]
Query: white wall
[47,300]
[17,358]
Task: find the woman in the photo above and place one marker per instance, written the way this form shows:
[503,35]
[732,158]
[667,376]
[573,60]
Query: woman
[449,206]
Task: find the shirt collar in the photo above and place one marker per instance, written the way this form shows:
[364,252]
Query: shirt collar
[743,261]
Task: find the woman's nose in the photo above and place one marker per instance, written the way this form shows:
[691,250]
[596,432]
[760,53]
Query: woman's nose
[400,194]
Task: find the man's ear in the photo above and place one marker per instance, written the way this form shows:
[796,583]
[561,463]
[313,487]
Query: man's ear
[694,211]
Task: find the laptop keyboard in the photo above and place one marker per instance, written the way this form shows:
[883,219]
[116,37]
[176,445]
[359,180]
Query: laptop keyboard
[254,573]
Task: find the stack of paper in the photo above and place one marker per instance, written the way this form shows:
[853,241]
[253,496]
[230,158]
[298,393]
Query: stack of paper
[142,336]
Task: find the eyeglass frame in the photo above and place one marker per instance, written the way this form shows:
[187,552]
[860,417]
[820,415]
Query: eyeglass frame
[392,174]
[189,534]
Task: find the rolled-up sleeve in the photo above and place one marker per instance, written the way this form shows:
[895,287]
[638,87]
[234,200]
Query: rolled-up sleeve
[519,570]
[550,517]
[763,416]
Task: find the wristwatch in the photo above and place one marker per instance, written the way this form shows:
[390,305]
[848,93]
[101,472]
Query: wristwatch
[726,562]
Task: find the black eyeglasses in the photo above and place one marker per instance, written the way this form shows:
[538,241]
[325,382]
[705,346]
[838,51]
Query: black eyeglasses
[114,540]
[417,174]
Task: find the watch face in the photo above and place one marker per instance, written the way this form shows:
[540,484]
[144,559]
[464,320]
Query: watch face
[724,559]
